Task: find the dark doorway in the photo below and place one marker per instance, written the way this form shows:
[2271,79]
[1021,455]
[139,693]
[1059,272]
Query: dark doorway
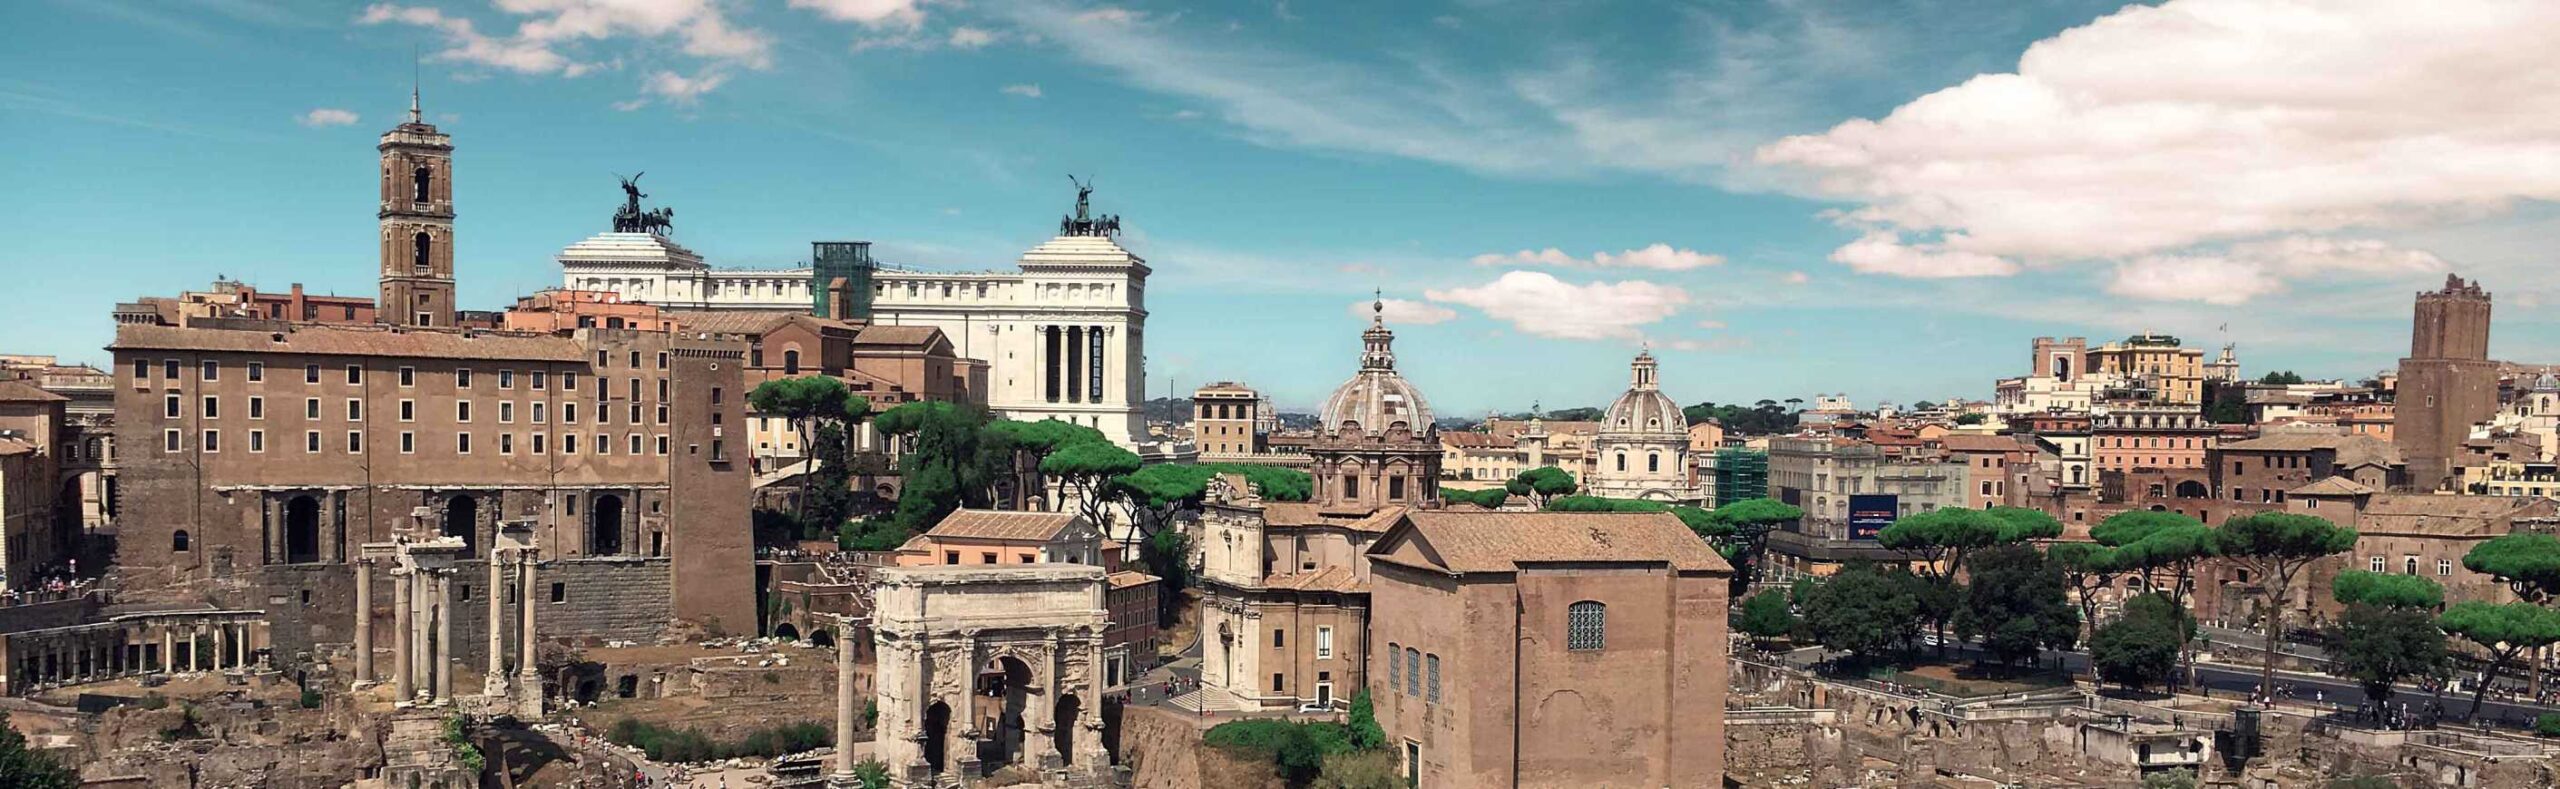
[786,632]
[302,530]
[604,533]
[820,637]
[462,519]
[937,729]
[1016,677]
[1062,729]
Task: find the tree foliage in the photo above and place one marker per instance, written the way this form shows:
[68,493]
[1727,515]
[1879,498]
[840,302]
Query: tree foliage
[1298,749]
[2278,545]
[2086,568]
[1365,732]
[1940,539]
[2140,648]
[1765,616]
[803,402]
[2506,630]
[1488,498]
[1761,418]
[1542,484]
[2148,543]
[2378,645]
[1862,610]
[2528,561]
[2281,378]
[21,766]
[955,460]
[1603,504]
[2016,603]
[1088,469]
[2387,590]
[1751,521]
[1273,483]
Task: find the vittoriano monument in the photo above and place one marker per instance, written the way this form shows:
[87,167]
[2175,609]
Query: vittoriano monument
[630,219]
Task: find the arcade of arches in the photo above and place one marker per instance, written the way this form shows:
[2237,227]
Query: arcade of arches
[981,667]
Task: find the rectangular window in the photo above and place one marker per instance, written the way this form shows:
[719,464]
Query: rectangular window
[506,379]
[311,441]
[541,380]
[169,441]
[601,360]
[635,443]
[635,413]
[538,412]
[506,443]
[1279,638]
[1412,671]
[169,370]
[212,407]
[1432,690]
[210,371]
[662,415]
[462,443]
[569,413]
[1324,643]
[2444,567]
[408,410]
[559,592]
[662,390]
[169,406]
[2374,564]
[311,408]
[355,409]
[311,373]
[257,441]
[603,447]
[662,446]
[141,370]
[257,372]
[635,360]
[1395,667]
[462,378]
[408,376]
[355,374]
[355,441]
[257,407]
[635,390]
[537,443]
[569,380]
[506,412]
[662,360]
[715,395]
[408,442]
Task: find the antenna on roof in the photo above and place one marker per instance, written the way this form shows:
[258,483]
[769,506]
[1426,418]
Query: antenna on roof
[417,75]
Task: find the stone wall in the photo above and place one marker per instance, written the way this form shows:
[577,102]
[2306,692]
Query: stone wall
[1162,750]
[38,616]
[608,599]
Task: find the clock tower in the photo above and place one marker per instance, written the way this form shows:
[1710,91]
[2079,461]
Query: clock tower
[417,224]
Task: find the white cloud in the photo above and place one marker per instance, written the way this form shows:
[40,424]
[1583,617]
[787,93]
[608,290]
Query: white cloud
[680,89]
[539,44]
[1537,303]
[1660,257]
[1108,15]
[2175,129]
[1028,91]
[877,14]
[1403,311]
[2246,271]
[1798,278]
[1882,252]
[326,116]
[966,37]
[1711,324]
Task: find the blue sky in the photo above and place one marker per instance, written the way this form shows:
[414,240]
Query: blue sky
[1785,197]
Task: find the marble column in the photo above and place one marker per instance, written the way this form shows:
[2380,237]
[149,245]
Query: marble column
[496,682]
[221,646]
[168,651]
[364,622]
[444,635]
[528,673]
[404,679]
[847,711]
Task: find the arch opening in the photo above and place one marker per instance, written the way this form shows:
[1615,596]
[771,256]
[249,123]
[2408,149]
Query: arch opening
[302,530]
[604,526]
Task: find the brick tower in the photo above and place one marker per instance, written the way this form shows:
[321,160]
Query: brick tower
[417,223]
[2448,383]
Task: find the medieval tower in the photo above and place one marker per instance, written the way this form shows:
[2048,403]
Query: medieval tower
[417,223]
[2448,383]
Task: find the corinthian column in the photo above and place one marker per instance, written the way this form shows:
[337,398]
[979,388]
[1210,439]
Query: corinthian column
[404,680]
[846,711]
[364,622]
[495,683]
[444,634]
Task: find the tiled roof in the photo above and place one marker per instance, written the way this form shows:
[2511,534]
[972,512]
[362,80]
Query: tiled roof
[755,322]
[347,340]
[23,392]
[995,525]
[1379,522]
[1502,541]
[1290,513]
[1971,442]
[2332,486]
[1336,578]
[16,446]
[1474,440]
[2436,514]
[896,335]
[1128,578]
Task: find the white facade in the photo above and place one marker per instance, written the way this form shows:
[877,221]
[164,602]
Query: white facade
[1642,451]
[1063,336]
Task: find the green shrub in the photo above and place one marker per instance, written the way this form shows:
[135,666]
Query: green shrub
[310,698]
[1298,749]
[2547,724]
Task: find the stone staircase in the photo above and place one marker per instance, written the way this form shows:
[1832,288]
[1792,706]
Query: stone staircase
[1217,702]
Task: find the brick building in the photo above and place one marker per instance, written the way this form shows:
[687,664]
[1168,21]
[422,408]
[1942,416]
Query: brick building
[1226,419]
[2447,382]
[1549,649]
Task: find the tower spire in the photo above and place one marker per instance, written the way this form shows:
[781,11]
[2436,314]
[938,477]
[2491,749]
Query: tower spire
[416,75]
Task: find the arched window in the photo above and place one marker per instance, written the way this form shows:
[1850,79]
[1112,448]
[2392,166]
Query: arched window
[1622,461]
[418,246]
[1395,666]
[1586,626]
[791,362]
[178,540]
[420,178]
[1431,693]
[1653,462]
[1412,671]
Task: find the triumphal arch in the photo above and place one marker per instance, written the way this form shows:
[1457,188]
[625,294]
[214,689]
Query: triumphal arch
[986,666]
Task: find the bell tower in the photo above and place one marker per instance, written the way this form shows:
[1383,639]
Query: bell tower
[417,223]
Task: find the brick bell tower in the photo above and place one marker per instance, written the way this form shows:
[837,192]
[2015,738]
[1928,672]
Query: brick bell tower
[417,224]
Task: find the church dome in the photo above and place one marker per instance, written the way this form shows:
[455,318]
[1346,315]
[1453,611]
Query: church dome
[2546,383]
[1644,408]
[1377,401]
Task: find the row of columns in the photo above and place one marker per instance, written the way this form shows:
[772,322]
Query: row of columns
[1075,362]
[102,653]
[422,618]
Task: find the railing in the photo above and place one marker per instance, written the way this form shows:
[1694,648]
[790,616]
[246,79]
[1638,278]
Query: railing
[42,596]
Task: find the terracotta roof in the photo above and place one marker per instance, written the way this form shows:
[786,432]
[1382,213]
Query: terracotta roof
[1972,442]
[1128,578]
[1379,522]
[896,335]
[1336,578]
[16,446]
[1290,513]
[22,392]
[1469,542]
[2332,486]
[350,340]
[1469,439]
[730,321]
[996,525]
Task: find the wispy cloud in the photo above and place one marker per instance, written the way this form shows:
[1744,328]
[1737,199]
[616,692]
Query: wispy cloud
[1537,303]
[1028,91]
[1659,257]
[326,116]
[563,38]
